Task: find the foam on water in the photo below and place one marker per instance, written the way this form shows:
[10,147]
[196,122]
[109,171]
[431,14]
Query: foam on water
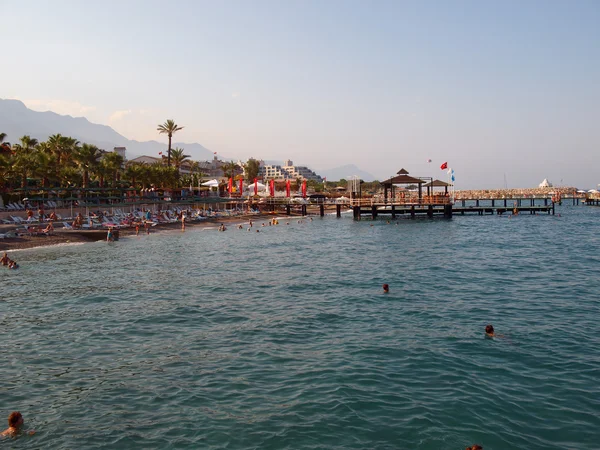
[283,339]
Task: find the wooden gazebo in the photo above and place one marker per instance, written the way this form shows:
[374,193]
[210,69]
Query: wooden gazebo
[402,177]
[437,183]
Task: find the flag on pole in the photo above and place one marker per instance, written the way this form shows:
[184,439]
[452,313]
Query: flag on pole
[287,188]
[256,186]
[272,188]
[450,170]
[241,185]
[304,188]
[160,153]
[230,186]
[444,166]
[452,176]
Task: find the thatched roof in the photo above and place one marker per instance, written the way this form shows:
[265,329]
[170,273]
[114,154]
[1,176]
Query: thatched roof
[437,183]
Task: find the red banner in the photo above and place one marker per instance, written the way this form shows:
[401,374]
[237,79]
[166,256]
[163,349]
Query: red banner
[272,187]
[255,186]
[287,188]
[304,188]
[230,186]
[241,186]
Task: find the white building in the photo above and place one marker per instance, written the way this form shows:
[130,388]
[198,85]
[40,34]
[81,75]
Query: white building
[287,171]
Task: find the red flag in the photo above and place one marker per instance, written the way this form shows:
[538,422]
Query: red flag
[304,188]
[444,166]
[287,188]
[241,186]
[160,153]
[272,187]
[255,186]
[230,186]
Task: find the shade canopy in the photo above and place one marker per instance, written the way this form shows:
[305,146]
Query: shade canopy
[402,179]
[437,183]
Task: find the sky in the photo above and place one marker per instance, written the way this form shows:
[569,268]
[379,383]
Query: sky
[507,92]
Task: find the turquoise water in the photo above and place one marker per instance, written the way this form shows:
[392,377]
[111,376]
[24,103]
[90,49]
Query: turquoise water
[283,339]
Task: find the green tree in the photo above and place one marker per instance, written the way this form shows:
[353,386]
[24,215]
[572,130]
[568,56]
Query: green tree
[229,169]
[178,157]
[87,159]
[252,168]
[169,128]
[112,166]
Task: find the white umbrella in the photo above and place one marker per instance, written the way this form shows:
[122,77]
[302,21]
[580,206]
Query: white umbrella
[581,191]
[261,187]
[593,191]
[211,183]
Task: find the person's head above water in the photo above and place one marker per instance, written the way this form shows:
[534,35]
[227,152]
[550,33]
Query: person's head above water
[386,288]
[489,329]
[475,447]
[15,419]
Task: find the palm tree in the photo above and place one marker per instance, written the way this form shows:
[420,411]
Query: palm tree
[112,164]
[4,146]
[134,171]
[178,157]
[87,158]
[168,128]
[229,169]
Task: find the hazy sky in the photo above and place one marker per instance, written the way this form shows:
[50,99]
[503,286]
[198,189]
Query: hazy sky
[504,88]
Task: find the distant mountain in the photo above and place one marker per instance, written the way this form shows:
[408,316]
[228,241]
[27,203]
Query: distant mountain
[345,172]
[17,120]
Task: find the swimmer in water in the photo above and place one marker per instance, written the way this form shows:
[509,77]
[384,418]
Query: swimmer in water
[15,423]
[386,288]
[5,259]
[489,332]
[475,447]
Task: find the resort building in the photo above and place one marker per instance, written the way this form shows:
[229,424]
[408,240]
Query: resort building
[287,171]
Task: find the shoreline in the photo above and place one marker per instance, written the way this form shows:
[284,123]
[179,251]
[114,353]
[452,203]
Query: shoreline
[59,238]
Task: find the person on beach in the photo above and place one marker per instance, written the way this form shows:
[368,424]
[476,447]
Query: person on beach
[48,228]
[137,229]
[147,227]
[15,423]
[386,288]
[29,215]
[53,216]
[182,222]
[5,259]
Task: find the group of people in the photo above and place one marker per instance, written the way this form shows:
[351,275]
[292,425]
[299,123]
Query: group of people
[6,261]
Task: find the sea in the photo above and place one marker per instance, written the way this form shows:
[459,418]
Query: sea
[284,339]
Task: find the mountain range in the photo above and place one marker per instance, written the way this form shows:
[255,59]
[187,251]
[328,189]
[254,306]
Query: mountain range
[17,120]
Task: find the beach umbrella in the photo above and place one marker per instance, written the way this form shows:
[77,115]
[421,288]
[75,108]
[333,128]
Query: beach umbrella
[259,186]
[211,183]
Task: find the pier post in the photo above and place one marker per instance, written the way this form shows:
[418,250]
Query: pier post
[288,210]
[412,211]
[493,202]
[448,211]
[430,211]
[505,203]
[303,209]
[477,203]
[374,212]
[338,210]
[545,201]
[552,208]
[464,203]
[393,211]
[356,212]
[322,210]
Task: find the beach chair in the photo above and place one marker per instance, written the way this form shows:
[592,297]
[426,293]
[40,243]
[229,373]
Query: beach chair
[67,226]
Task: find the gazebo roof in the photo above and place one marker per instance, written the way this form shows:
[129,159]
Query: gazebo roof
[437,183]
[402,179]
[402,171]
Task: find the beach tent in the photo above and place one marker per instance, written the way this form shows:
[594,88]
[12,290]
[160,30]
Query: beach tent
[261,187]
[545,183]
[211,183]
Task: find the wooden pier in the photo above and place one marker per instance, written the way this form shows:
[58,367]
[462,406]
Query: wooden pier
[446,208]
